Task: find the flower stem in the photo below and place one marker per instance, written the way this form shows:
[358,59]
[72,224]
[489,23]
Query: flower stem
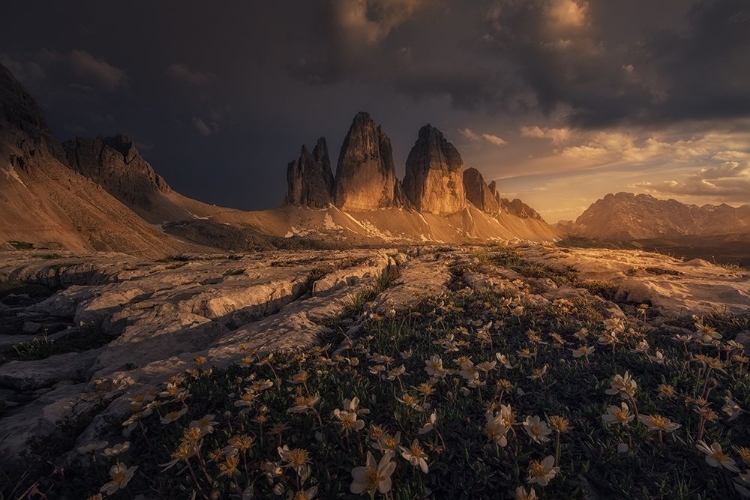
[635,406]
[320,422]
[203,466]
[195,479]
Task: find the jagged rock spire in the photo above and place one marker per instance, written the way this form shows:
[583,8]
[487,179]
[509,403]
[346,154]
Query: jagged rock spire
[434,174]
[366,176]
[309,178]
[478,193]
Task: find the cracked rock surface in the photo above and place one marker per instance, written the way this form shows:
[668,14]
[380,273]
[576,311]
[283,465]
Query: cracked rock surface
[156,316]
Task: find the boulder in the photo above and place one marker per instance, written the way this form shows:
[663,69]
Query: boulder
[366,176]
[36,374]
[434,180]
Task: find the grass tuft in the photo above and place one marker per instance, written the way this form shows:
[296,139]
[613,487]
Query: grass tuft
[44,347]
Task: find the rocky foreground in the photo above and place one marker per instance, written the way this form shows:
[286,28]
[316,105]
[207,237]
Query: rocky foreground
[147,320]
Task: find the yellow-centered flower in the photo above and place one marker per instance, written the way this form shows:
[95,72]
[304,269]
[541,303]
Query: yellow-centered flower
[537,429]
[542,472]
[373,476]
[658,423]
[715,456]
[559,423]
[618,415]
[120,475]
[416,456]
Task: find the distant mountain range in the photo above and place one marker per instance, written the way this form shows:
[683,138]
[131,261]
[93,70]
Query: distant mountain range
[626,216]
[101,194]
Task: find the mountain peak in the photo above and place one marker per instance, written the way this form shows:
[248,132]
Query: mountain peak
[122,144]
[363,117]
[478,193]
[627,216]
[428,131]
[434,179]
[115,164]
[18,107]
[320,151]
[365,175]
[309,178]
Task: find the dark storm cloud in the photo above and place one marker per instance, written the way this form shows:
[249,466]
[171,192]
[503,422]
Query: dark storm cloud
[76,68]
[347,39]
[685,73]
[551,55]
[706,73]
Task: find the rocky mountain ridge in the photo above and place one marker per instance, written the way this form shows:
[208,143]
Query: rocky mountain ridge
[46,203]
[435,180]
[626,216]
[115,164]
[478,193]
[101,194]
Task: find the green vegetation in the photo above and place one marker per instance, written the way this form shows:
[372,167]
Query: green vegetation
[40,452]
[386,279]
[21,245]
[512,259]
[729,324]
[358,301]
[44,347]
[51,256]
[173,258]
[730,267]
